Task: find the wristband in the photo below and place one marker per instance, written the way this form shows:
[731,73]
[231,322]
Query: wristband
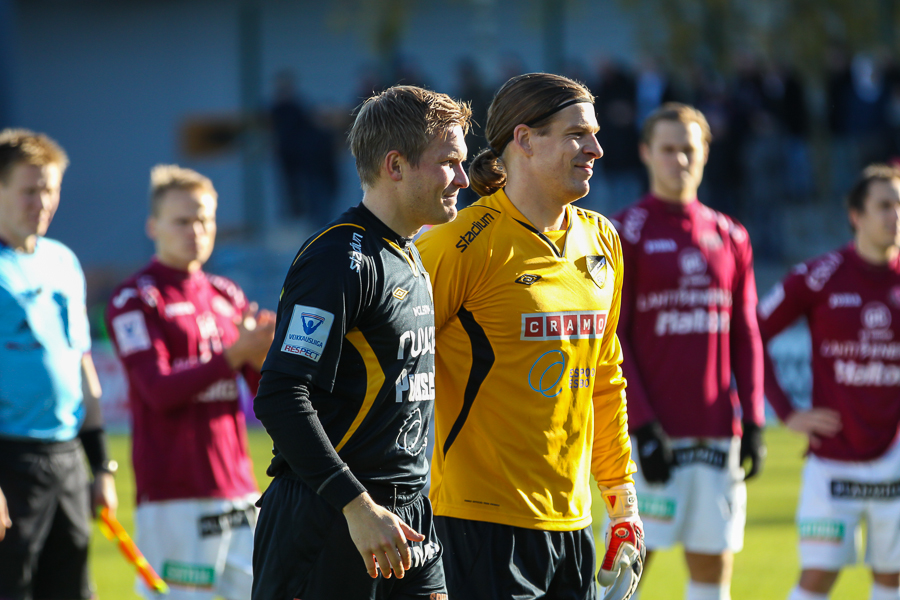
[620,501]
[94,443]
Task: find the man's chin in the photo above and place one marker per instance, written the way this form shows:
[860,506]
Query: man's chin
[450,213]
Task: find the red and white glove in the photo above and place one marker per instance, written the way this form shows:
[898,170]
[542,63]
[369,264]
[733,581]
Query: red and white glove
[623,562]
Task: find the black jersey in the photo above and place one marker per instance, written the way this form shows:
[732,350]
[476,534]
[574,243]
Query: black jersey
[356,325]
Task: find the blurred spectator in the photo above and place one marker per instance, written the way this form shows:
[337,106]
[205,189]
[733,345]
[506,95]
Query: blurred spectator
[511,64]
[859,100]
[838,88]
[867,107]
[575,69]
[652,89]
[616,113]
[724,173]
[787,100]
[369,84]
[306,155]
[471,87]
[405,70]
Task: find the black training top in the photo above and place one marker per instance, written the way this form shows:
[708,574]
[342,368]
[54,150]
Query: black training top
[355,330]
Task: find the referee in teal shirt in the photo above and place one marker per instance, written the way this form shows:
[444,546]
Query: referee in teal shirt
[49,409]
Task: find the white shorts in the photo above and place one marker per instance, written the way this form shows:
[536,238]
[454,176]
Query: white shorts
[201,548]
[836,497]
[704,503]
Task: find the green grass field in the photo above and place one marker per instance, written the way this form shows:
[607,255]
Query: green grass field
[766,569]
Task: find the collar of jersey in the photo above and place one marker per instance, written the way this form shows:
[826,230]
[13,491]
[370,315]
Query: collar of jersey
[672,207]
[165,272]
[865,266]
[381,229]
[514,212]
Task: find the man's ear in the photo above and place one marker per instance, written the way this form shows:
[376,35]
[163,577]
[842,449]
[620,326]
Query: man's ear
[394,164]
[644,151]
[150,227]
[522,138]
[853,216]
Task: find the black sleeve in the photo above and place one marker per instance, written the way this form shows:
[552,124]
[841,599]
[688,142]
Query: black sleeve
[321,301]
[283,406]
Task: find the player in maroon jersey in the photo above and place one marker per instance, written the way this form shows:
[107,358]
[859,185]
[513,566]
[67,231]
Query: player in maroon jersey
[184,338]
[851,301]
[688,324]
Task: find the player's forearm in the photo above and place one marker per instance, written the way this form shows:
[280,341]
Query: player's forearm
[90,387]
[611,462]
[283,406]
[251,376]
[639,410]
[163,389]
[747,365]
[778,399]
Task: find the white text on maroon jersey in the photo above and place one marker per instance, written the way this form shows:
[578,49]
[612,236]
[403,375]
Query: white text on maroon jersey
[873,373]
[573,325]
[699,320]
[684,297]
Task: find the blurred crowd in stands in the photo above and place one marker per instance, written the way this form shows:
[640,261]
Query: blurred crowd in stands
[780,138]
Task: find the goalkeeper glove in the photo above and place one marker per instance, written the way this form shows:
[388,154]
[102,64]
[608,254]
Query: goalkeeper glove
[623,561]
[752,447]
[654,452]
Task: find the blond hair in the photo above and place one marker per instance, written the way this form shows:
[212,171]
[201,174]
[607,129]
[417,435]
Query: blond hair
[164,178]
[404,118]
[22,146]
[675,111]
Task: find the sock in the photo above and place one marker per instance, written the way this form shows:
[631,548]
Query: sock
[636,595]
[799,593]
[707,591]
[879,592]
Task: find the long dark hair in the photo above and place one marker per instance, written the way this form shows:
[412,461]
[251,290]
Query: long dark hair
[531,99]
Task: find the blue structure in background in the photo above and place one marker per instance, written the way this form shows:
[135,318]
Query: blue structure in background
[6,60]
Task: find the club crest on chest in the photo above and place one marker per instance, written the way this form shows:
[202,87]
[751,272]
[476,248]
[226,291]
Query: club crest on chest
[597,268]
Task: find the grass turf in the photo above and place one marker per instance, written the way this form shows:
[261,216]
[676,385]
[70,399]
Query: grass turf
[766,569]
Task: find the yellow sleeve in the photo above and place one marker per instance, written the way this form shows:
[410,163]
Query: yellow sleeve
[454,273]
[611,462]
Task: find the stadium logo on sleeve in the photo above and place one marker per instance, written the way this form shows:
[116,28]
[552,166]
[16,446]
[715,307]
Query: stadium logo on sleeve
[307,332]
[477,227]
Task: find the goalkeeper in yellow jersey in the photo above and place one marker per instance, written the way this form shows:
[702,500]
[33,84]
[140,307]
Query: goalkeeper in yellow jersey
[530,398]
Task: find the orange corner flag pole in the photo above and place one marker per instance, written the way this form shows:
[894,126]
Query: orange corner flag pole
[114,531]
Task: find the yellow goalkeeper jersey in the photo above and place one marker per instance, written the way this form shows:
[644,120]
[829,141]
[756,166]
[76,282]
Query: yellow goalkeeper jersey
[530,397]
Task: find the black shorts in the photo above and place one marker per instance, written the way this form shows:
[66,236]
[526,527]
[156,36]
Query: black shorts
[302,549]
[44,554]
[488,561]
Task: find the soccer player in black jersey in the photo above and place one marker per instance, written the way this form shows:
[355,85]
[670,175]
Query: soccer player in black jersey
[347,389]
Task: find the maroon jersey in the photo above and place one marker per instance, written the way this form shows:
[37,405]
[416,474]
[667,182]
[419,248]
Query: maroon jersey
[853,311]
[189,437]
[689,320]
